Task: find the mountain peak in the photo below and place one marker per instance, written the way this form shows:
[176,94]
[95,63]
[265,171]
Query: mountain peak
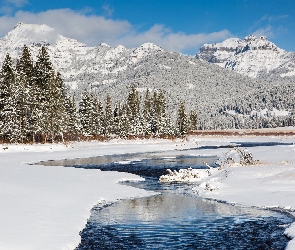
[255,38]
[18,25]
[21,27]
[31,34]
[249,56]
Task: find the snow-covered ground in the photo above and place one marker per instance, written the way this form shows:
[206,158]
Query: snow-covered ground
[270,183]
[45,207]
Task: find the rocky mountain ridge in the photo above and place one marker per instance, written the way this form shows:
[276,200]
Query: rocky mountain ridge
[252,56]
[221,97]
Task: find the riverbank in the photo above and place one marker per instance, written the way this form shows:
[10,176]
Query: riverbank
[45,207]
[282,131]
[270,183]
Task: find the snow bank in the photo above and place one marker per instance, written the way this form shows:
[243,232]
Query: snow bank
[269,183]
[45,207]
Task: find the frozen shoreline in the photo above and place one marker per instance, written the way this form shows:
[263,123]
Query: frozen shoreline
[46,207]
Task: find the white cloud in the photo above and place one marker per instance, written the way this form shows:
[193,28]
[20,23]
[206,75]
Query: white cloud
[165,38]
[17,3]
[93,30]
[108,10]
[88,29]
[267,31]
[8,6]
[272,18]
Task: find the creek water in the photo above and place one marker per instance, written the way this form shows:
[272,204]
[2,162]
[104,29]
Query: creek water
[176,218]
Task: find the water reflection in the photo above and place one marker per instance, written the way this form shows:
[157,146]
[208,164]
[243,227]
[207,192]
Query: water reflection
[171,221]
[177,218]
[174,207]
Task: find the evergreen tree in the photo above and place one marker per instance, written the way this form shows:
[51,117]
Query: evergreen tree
[73,123]
[124,123]
[161,122]
[182,123]
[147,113]
[108,120]
[55,108]
[7,80]
[193,120]
[133,103]
[9,126]
[97,117]
[86,114]
[134,116]
[43,79]
[24,74]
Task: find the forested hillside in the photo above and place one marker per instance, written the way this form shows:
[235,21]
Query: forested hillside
[36,107]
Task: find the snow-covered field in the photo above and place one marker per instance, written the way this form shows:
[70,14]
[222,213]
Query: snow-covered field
[45,207]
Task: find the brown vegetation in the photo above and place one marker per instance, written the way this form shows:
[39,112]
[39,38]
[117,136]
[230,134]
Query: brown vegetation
[245,132]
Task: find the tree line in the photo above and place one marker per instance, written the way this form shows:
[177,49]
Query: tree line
[35,107]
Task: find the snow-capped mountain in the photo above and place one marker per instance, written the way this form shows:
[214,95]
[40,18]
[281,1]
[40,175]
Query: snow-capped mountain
[253,56]
[74,60]
[221,97]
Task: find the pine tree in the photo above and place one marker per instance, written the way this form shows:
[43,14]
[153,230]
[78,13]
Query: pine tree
[24,74]
[134,116]
[108,120]
[55,109]
[43,79]
[161,122]
[9,126]
[182,123]
[193,120]
[97,121]
[147,113]
[86,114]
[72,124]
[7,78]
[124,123]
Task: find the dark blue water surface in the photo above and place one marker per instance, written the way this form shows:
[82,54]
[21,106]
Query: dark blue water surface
[177,218]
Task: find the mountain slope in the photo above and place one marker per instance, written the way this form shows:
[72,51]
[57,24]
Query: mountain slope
[252,56]
[222,98]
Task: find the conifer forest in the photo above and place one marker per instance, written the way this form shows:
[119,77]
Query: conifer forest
[35,106]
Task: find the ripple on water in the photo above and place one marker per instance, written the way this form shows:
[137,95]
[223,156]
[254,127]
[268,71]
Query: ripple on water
[177,221]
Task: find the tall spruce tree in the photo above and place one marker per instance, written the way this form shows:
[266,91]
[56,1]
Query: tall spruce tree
[56,110]
[24,98]
[124,124]
[182,122]
[193,120]
[108,121]
[161,122]
[43,78]
[97,121]
[73,123]
[9,126]
[86,114]
[147,113]
[134,115]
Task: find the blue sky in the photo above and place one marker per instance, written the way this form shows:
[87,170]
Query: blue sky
[178,25]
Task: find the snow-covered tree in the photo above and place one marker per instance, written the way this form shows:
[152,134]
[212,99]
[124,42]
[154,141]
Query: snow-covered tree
[108,121]
[182,122]
[147,113]
[134,115]
[9,120]
[23,92]
[86,114]
[193,120]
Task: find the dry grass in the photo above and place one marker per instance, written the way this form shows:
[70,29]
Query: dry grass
[245,132]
